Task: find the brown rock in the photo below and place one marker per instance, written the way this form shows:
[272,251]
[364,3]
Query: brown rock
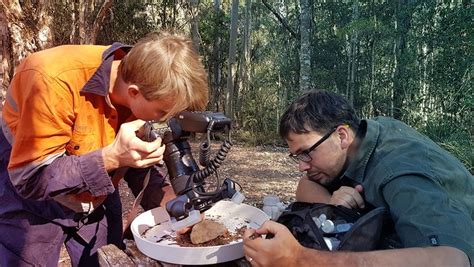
[207,230]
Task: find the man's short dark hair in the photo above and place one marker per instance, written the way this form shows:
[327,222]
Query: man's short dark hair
[318,111]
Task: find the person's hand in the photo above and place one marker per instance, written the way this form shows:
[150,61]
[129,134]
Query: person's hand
[130,151]
[348,197]
[281,250]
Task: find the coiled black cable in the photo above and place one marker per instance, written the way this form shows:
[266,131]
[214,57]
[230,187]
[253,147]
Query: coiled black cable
[204,152]
[199,176]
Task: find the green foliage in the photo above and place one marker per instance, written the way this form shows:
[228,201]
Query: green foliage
[127,23]
[435,79]
[60,14]
[455,138]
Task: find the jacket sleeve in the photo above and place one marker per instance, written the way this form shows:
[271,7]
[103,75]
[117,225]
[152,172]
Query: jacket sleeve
[426,215]
[40,116]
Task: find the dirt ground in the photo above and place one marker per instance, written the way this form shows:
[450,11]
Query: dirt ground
[259,170]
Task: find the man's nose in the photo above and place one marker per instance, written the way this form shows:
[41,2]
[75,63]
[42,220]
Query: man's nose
[303,166]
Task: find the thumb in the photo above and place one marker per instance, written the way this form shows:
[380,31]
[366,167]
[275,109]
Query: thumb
[359,188]
[268,227]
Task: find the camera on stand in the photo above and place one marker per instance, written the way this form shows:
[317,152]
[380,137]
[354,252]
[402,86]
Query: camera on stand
[186,178]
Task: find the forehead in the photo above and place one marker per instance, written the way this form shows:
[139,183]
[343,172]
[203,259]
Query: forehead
[298,142]
[162,106]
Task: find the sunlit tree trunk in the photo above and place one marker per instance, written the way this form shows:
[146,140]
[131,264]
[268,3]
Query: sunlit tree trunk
[84,16]
[27,30]
[4,56]
[232,55]
[305,45]
[194,16]
[425,51]
[99,20]
[402,26]
[216,72]
[371,111]
[352,55]
[245,64]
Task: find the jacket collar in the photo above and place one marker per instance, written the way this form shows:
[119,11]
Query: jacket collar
[367,136]
[99,82]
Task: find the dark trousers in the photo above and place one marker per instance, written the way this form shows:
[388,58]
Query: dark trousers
[28,240]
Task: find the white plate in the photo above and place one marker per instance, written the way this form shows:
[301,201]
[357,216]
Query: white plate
[232,215]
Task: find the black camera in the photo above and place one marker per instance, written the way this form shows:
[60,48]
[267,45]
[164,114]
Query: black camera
[186,178]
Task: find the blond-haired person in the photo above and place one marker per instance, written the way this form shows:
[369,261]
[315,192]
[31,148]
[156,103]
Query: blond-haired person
[68,124]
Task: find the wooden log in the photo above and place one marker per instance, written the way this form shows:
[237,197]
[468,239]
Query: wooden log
[139,258]
[110,255]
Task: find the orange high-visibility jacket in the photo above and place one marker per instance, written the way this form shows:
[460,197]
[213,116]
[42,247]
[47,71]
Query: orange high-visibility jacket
[57,104]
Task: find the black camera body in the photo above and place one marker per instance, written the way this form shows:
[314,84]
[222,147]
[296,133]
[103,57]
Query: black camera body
[186,178]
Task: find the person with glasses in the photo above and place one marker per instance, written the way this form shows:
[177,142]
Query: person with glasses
[369,163]
[68,135]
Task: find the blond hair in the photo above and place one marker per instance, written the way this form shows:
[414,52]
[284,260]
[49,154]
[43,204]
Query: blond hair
[166,66]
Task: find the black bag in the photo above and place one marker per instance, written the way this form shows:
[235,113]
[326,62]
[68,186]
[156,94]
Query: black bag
[303,218]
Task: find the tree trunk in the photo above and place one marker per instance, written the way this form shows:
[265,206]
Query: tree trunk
[232,55]
[194,13]
[352,55]
[305,45]
[245,64]
[280,18]
[82,16]
[214,65]
[27,30]
[400,73]
[5,56]
[99,20]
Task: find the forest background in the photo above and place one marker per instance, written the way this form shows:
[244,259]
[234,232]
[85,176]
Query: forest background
[407,59]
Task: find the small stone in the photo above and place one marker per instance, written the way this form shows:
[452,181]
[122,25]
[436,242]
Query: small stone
[207,230]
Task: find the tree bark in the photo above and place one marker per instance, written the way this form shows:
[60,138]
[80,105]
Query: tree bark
[373,74]
[352,57]
[5,57]
[245,64]
[305,45]
[232,56]
[214,65]
[194,13]
[99,20]
[400,78]
[280,19]
[85,14]
[27,31]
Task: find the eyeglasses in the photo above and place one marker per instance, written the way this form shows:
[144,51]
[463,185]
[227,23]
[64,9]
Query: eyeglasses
[305,156]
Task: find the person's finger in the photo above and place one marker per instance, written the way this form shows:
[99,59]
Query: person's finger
[183,231]
[134,125]
[250,255]
[145,163]
[268,227]
[249,235]
[155,154]
[144,146]
[359,201]
[359,188]
[342,200]
[250,244]
[348,197]
[253,247]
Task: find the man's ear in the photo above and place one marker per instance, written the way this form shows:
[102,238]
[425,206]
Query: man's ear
[344,135]
[133,91]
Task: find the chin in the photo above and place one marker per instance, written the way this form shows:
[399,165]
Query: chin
[319,178]
[326,181]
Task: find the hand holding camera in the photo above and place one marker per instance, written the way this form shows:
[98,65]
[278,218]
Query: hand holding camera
[128,150]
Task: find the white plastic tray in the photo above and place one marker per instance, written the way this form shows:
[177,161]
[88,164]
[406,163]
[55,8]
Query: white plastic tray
[232,215]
